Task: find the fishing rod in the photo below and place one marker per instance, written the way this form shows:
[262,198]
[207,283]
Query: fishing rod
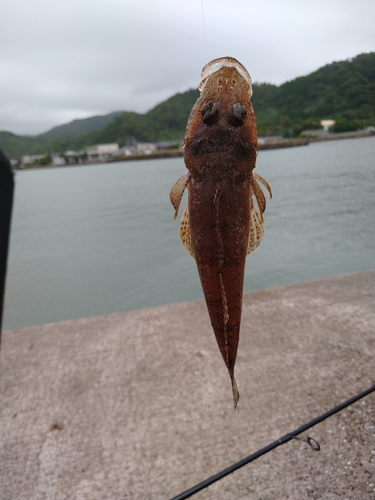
[284,439]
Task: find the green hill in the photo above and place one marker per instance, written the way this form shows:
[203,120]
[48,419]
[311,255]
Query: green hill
[73,135]
[166,121]
[78,127]
[16,145]
[343,91]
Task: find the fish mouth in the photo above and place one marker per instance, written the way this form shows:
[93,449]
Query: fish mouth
[228,62]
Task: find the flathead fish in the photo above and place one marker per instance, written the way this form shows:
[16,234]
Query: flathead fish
[222,223]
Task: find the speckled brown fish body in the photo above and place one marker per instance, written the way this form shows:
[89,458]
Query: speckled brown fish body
[222,224]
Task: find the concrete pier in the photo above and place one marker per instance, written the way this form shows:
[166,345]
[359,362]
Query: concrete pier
[138,405]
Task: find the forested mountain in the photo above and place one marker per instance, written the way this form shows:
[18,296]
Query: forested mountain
[343,91]
[75,134]
[166,121]
[78,127]
[16,145]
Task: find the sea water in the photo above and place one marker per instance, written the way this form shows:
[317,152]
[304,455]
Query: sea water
[98,239]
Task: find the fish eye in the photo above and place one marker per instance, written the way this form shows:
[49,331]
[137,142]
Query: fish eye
[210,112]
[237,114]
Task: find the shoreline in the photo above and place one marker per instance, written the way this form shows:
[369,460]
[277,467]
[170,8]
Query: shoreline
[176,154]
[261,146]
[344,135]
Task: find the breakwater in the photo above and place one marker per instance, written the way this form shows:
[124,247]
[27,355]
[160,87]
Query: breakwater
[137,405]
[261,146]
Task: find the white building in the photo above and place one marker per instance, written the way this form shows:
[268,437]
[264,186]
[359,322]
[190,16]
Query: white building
[28,161]
[318,132]
[141,148]
[57,161]
[101,152]
[327,124]
[270,138]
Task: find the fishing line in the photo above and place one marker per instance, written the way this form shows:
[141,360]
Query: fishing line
[204,31]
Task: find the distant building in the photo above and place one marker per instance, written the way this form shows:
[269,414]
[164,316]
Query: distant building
[167,145]
[327,124]
[102,152]
[146,148]
[57,161]
[29,160]
[319,132]
[270,138]
[74,157]
[138,148]
[15,162]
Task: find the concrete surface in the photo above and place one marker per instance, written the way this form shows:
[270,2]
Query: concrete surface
[138,405]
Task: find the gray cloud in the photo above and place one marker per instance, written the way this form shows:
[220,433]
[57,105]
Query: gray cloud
[69,59]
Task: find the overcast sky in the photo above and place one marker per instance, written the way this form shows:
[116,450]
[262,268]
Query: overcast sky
[67,59]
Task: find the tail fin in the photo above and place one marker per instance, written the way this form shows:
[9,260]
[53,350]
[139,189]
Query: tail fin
[236,394]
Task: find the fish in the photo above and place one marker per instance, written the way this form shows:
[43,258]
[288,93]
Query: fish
[223,220]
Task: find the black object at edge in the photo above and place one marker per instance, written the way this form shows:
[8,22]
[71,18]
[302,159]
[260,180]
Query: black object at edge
[6,202]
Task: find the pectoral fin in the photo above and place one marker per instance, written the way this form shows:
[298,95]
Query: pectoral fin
[264,182]
[185,234]
[256,215]
[256,229]
[259,195]
[177,192]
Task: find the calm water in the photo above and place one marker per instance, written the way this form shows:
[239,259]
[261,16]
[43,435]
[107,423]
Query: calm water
[99,239]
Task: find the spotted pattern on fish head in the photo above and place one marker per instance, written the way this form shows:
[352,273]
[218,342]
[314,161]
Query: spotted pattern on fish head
[221,130]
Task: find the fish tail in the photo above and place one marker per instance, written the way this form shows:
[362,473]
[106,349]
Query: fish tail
[236,394]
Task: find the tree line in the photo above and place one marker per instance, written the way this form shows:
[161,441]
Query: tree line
[343,91]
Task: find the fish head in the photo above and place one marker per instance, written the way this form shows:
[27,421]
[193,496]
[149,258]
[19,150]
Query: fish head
[225,74]
[222,124]
[226,89]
